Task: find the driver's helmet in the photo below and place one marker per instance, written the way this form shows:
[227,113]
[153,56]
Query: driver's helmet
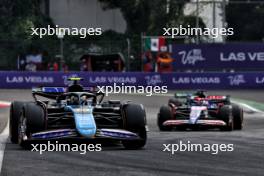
[200,94]
[73,100]
[85,100]
[75,88]
[204,103]
[199,101]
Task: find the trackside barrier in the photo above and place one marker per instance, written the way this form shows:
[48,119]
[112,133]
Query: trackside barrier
[238,80]
[238,56]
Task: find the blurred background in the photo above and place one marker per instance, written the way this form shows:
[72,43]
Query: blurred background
[129,30]
[132,51]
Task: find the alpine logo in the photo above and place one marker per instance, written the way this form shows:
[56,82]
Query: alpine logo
[191,57]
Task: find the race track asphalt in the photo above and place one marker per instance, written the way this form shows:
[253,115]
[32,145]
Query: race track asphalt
[246,159]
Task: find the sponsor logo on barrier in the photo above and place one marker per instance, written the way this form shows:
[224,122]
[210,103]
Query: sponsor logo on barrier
[29,79]
[65,78]
[172,81]
[104,79]
[219,56]
[260,80]
[153,80]
[113,79]
[98,79]
[241,56]
[196,80]
[191,57]
[236,80]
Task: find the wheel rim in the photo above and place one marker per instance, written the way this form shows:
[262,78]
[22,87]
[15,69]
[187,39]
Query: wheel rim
[10,120]
[22,128]
[231,123]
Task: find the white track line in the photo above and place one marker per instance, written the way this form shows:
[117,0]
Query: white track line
[247,106]
[5,103]
[3,137]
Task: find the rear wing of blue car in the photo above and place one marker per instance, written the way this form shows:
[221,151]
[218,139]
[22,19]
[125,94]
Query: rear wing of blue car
[56,92]
[50,89]
[48,92]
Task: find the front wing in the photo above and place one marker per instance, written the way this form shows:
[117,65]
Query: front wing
[119,134]
[201,122]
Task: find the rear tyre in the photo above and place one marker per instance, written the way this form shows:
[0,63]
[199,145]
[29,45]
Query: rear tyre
[227,116]
[15,110]
[164,115]
[238,116]
[32,119]
[135,121]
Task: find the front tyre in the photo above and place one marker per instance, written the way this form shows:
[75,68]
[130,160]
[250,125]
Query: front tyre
[134,117]
[15,110]
[164,115]
[23,132]
[32,119]
[238,116]
[227,116]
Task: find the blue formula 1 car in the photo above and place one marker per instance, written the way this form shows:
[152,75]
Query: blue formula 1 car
[76,112]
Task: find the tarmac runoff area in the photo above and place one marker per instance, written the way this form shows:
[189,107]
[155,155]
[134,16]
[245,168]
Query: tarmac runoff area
[246,159]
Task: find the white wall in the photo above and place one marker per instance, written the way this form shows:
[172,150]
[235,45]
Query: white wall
[86,13]
[206,13]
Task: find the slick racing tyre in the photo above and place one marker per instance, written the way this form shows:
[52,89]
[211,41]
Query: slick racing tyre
[238,116]
[227,116]
[134,118]
[164,115]
[32,119]
[15,110]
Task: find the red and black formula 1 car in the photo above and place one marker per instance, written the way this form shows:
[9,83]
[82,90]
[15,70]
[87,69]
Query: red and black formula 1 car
[197,110]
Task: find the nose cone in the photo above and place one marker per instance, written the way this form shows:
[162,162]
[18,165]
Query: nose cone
[196,113]
[85,124]
[84,120]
